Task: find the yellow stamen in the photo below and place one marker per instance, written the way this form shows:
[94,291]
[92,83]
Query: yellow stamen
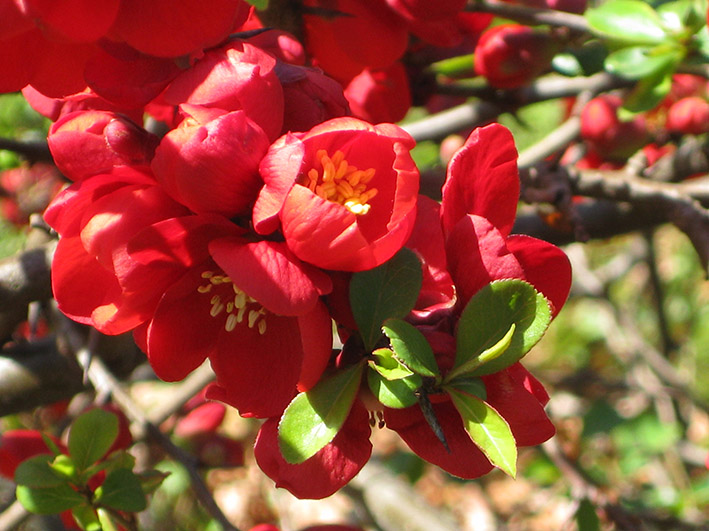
[236,303]
[340,182]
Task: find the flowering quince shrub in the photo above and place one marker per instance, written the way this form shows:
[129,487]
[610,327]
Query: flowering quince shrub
[90,480]
[265,214]
[232,240]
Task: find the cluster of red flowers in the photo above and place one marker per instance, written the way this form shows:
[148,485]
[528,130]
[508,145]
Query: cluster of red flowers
[234,236]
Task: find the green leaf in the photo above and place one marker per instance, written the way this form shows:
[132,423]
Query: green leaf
[150,480]
[683,17]
[636,62]
[396,394]
[627,22]
[488,430]
[647,94]
[486,356]
[64,466]
[51,444]
[489,316]
[122,491]
[261,5]
[85,516]
[389,290]
[107,521]
[313,418]
[386,365]
[36,472]
[583,60]
[470,386]
[586,516]
[411,347]
[48,500]
[91,435]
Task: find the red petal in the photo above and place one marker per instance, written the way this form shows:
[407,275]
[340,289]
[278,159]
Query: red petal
[437,290]
[328,470]
[465,459]
[477,255]
[482,179]
[521,409]
[257,373]
[205,167]
[268,272]
[76,20]
[316,338]
[545,266]
[165,28]
[182,333]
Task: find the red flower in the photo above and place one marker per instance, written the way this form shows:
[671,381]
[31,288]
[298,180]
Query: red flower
[238,76]
[380,95]
[210,161]
[477,213]
[511,55]
[250,307]
[85,143]
[359,34]
[18,445]
[329,469]
[344,193]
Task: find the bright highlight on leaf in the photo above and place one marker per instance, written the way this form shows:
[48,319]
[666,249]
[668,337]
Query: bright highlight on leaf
[410,347]
[490,316]
[313,418]
[488,430]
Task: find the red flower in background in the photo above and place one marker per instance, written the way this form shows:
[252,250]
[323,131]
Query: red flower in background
[511,55]
[343,194]
[49,44]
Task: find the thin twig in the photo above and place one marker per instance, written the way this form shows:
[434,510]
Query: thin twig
[102,379]
[531,15]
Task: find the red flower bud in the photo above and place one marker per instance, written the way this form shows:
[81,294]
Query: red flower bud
[510,55]
[689,116]
[86,143]
[603,130]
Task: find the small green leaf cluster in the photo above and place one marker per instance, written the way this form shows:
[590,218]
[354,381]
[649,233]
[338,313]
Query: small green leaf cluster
[648,43]
[58,482]
[498,326]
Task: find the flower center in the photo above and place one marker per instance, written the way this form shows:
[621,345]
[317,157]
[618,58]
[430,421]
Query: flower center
[341,182]
[238,305]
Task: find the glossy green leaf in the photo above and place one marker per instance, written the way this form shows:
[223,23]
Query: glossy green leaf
[411,347]
[107,521]
[90,437]
[313,418]
[486,356]
[51,444]
[123,491]
[150,480]
[490,314]
[683,17]
[647,94]
[48,500]
[636,62]
[388,366]
[468,385]
[488,430]
[627,22]
[36,472]
[259,4]
[396,394]
[389,290]
[85,516]
[64,466]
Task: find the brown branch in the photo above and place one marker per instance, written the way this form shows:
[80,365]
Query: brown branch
[34,151]
[530,15]
[104,381]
